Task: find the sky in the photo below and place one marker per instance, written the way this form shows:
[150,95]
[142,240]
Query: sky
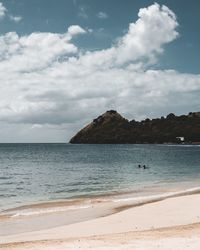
[63,63]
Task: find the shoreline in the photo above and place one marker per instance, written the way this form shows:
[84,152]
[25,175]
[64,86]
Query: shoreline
[136,196]
[151,218]
[70,211]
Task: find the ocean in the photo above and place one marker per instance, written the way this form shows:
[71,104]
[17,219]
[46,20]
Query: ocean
[31,173]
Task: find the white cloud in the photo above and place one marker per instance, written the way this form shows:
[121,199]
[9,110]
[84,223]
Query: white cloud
[37,50]
[46,79]
[15,19]
[75,30]
[155,27]
[2,10]
[102,15]
[144,39]
[4,13]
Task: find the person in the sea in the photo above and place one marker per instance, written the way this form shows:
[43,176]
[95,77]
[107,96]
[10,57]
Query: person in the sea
[145,167]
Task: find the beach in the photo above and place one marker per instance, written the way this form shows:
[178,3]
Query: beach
[171,222]
[99,125]
[63,196]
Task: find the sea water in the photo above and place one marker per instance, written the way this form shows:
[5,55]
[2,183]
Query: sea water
[31,173]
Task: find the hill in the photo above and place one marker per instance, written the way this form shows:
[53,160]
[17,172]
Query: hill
[111,127]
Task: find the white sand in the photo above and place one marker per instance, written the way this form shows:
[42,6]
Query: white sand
[173,223]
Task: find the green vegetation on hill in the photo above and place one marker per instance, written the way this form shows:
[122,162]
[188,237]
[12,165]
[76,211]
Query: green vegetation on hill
[111,127]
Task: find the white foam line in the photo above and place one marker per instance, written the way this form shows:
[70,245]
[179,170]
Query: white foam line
[132,200]
[159,196]
[30,212]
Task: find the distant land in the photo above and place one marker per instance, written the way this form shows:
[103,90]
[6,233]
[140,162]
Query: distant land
[111,127]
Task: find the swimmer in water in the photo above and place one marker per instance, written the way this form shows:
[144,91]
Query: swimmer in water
[145,167]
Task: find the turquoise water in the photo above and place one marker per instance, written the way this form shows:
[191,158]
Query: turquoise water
[41,172]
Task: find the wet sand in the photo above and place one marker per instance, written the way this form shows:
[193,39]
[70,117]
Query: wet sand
[173,223]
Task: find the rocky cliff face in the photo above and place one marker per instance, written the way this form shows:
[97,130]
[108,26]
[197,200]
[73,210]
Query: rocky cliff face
[111,127]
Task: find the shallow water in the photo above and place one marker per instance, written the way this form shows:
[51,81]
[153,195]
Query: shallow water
[43,172]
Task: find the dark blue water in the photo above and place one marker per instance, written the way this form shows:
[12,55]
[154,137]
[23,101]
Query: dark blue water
[33,172]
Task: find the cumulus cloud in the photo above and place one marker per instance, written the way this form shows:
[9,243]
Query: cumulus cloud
[102,15]
[75,30]
[37,50]
[47,81]
[144,39]
[15,19]
[155,27]
[2,10]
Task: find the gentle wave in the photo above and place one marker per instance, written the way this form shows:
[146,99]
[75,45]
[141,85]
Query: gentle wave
[33,210]
[47,211]
[7,195]
[153,198]
[5,178]
[179,145]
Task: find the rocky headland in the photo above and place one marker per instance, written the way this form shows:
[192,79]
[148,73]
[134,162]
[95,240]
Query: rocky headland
[111,127]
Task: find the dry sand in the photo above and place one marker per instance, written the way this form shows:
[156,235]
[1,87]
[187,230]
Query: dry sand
[173,223]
